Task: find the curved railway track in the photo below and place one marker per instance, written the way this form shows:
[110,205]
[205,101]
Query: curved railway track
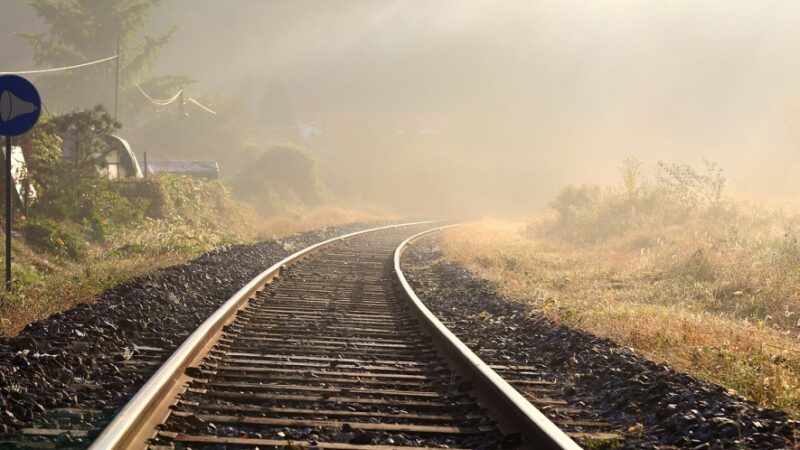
[521,369]
[329,348]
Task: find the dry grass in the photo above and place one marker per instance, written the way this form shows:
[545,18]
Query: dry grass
[718,299]
[46,285]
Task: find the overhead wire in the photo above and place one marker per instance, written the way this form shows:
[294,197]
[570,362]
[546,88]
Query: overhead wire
[165,102]
[155,101]
[191,100]
[57,69]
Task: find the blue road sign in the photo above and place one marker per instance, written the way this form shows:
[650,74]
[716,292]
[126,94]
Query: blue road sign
[20,105]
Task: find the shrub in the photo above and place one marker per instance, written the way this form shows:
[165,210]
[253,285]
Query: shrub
[84,129]
[284,175]
[688,186]
[49,236]
[91,201]
[590,213]
[73,190]
[103,202]
[45,162]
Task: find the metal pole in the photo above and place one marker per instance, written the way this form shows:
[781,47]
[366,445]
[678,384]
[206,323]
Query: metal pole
[9,198]
[116,82]
[181,106]
[26,186]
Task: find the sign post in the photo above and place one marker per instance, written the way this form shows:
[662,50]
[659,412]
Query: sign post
[9,199]
[20,107]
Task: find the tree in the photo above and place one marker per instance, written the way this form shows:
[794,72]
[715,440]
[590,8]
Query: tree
[73,187]
[280,177]
[85,30]
[43,156]
[82,130]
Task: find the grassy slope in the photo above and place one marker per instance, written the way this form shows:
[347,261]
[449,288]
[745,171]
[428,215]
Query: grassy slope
[200,218]
[718,302]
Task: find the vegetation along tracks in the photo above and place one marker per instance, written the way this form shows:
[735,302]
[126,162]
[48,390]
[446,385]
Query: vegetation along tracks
[335,352]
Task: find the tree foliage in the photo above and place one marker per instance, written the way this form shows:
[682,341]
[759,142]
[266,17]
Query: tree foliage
[84,129]
[72,189]
[44,157]
[281,177]
[84,30]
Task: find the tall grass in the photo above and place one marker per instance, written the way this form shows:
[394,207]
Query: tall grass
[736,259]
[667,265]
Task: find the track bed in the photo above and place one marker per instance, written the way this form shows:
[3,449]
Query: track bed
[329,354]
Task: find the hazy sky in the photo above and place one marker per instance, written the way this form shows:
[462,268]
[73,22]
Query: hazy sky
[522,96]
[573,84]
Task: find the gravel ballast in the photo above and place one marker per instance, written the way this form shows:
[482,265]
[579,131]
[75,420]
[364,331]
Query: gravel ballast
[75,359]
[658,407]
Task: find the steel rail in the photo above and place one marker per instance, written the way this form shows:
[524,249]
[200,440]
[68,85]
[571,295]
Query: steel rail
[136,422]
[514,413]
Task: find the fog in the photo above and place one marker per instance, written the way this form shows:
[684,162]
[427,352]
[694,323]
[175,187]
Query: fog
[469,106]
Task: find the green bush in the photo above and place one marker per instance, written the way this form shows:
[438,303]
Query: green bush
[45,161]
[94,202]
[73,190]
[49,236]
[105,209]
[100,229]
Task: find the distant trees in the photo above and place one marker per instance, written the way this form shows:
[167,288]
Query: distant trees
[84,30]
[281,178]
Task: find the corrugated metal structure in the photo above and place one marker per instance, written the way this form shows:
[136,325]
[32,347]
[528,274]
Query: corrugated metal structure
[117,162]
[198,169]
[23,189]
[120,161]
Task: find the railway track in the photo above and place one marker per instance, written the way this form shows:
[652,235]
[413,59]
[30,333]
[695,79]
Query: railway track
[328,349]
[525,372]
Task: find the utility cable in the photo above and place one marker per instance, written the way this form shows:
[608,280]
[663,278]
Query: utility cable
[165,102]
[57,69]
[202,106]
[156,101]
